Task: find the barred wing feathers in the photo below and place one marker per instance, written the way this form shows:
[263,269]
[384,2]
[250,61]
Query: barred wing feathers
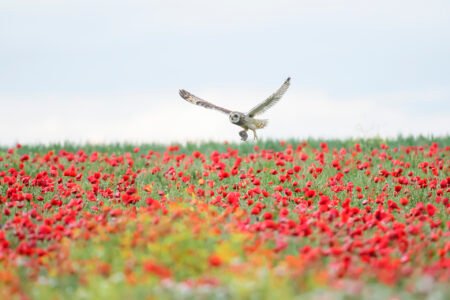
[269,102]
[200,102]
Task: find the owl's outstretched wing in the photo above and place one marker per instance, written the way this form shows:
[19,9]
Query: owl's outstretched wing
[269,102]
[197,101]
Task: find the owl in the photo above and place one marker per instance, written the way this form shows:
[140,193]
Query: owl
[245,121]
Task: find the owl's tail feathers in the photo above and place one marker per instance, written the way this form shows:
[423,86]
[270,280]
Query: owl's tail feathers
[261,123]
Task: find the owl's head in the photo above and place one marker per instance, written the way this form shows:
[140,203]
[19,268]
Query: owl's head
[235,117]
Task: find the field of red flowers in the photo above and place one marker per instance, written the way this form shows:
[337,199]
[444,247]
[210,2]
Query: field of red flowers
[312,220]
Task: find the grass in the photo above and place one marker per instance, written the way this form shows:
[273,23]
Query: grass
[339,219]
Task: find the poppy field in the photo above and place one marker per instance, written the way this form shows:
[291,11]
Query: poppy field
[354,219]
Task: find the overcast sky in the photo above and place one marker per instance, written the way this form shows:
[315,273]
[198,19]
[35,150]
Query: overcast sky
[108,71]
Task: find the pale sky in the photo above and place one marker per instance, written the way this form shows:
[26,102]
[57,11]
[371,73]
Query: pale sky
[110,71]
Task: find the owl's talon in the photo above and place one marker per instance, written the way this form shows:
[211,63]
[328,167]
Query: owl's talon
[243,134]
[255,137]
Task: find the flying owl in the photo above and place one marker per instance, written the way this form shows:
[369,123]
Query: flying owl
[246,121]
